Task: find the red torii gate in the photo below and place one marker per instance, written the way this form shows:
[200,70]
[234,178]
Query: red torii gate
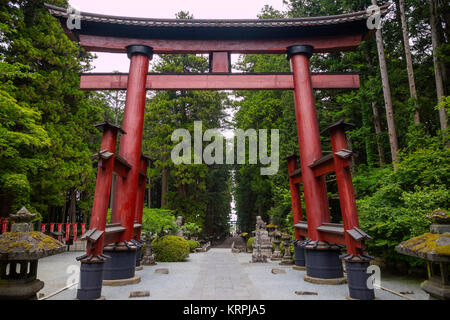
[299,39]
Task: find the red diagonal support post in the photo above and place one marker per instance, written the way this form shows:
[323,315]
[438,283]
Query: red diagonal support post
[130,145]
[295,194]
[103,185]
[315,191]
[345,184]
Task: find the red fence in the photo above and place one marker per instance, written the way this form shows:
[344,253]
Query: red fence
[70,228]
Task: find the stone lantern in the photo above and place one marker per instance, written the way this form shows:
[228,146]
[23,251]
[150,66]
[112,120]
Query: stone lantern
[20,250]
[287,258]
[148,259]
[435,248]
[271,228]
[276,255]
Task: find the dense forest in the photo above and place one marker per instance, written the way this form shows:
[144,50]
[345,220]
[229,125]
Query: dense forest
[401,172]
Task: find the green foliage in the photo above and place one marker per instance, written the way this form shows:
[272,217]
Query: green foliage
[47,123]
[192,229]
[250,243]
[21,135]
[193,244]
[158,220]
[395,206]
[170,249]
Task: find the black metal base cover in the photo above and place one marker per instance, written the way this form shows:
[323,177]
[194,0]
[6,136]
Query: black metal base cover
[299,255]
[121,265]
[91,277]
[357,280]
[323,264]
[139,244]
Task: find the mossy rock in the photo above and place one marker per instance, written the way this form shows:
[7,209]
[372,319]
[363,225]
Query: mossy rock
[28,245]
[170,249]
[250,243]
[193,245]
[426,246]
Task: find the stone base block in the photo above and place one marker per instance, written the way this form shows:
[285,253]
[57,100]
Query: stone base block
[122,282]
[335,281]
[299,268]
[436,290]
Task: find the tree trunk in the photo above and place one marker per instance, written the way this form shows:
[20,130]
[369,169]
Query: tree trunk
[164,181]
[377,124]
[352,165]
[376,117]
[387,96]
[72,207]
[63,215]
[149,193]
[370,153]
[409,65]
[437,65]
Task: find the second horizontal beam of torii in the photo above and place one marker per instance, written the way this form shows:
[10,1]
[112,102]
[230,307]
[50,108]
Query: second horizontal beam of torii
[280,81]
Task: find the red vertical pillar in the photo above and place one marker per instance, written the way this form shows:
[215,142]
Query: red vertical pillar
[103,185]
[345,185]
[141,195]
[60,225]
[219,62]
[5,225]
[130,145]
[295,194]
[315,191]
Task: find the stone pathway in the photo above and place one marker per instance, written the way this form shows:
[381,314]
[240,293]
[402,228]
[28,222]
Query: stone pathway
[216,275]
[222,277]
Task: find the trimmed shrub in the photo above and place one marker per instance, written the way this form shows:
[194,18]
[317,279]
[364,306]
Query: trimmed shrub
[250,243]
[170,249]
[193,245]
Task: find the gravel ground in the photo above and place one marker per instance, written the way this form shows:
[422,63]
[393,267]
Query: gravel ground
[215,275]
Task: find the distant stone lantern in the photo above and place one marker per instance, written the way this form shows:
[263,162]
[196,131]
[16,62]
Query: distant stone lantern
[276,255]
[20,250]
[148,259]
[435,248]
[271,228]
[287,258]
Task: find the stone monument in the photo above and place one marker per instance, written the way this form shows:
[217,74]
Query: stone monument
[276,255]
[287,258]
[434,247]
[148,259]
[179,223]
[262,248]
[20,250]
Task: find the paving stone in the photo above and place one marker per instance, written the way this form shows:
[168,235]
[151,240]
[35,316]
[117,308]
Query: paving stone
[137,294]
[278,271]
[162,271]
[216,274]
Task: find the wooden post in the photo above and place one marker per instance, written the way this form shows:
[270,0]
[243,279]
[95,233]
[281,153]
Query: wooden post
[295,194]
[103,185]
[315,191]
[345,185]
[130,145]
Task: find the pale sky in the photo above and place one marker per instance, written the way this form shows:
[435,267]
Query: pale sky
[201,9]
